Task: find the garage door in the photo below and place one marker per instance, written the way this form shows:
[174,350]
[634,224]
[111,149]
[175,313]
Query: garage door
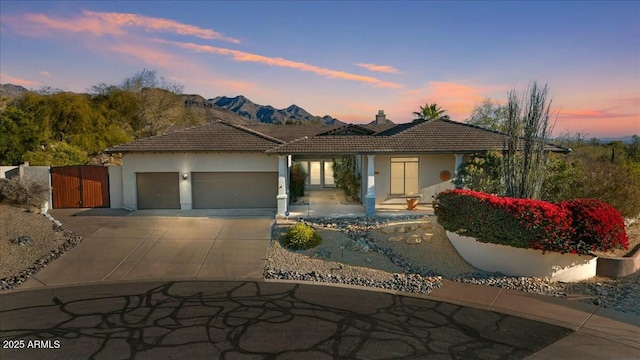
[158,190]
[234,190]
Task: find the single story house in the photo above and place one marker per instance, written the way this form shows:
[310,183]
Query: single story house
[224,165]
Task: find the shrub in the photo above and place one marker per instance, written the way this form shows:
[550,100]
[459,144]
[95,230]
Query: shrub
[23,191]
[534,224]
[301,237]
[616,184]
[57,154]
[596,224]
[346,178]
[297,179]
[482,172]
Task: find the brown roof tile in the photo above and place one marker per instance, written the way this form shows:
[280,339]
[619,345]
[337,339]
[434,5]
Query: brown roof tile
[292,132]
[218,136]
[440,136]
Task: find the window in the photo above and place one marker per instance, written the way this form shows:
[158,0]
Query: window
[328,174]
[319,173]
[404,175]
[315,172]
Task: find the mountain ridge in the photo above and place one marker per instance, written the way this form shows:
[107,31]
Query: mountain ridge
[268,114]
[237,110]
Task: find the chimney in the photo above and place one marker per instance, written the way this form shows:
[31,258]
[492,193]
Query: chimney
[381,117]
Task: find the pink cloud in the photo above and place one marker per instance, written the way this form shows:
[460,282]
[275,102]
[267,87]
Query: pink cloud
[45,73]
[242,56]
[635,101]
[380,68]
[614,120]
[158,24]
[151,56]
[598,127]
[589,114]
[76,25]
[8,79]
[110,23]
[457,99]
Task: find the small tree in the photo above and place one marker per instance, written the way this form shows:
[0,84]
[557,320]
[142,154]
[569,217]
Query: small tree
[489,115]
[297,179]
[482,172]
[528,130]
[430,112]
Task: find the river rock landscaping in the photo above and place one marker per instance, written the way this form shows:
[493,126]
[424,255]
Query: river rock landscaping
[413,254]
[409,253]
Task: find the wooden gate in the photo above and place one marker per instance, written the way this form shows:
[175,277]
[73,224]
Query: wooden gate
[83,186]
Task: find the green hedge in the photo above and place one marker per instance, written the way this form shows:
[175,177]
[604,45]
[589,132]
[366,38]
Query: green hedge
[578,227]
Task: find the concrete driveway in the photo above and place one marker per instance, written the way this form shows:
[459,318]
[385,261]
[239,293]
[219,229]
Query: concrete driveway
[141,246]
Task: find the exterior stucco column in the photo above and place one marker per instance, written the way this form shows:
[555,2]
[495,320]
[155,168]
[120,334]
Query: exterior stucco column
[370,203]
[282,185]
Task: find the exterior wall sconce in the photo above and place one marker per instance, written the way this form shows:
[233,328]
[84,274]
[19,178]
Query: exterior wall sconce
[185,176]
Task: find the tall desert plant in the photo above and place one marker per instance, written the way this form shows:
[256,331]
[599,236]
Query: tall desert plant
[528,129]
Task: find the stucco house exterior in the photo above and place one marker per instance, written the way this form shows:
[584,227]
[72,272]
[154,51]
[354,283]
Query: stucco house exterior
[221,165]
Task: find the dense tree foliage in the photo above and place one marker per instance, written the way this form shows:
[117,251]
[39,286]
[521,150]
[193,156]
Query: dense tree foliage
[57,154]
[18,134]
[589,171]
[41,126]
[608,172]
[489,115]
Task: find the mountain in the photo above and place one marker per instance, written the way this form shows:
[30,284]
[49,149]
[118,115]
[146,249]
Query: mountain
[12,91]
[203,108]
[267,113]
[237,110]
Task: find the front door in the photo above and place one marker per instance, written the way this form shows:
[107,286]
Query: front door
[319,173]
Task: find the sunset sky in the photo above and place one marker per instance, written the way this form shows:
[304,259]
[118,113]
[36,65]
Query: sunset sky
[345,59]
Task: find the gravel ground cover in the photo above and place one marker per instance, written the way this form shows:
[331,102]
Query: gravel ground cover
[28,242]
[408,253]
[412,254]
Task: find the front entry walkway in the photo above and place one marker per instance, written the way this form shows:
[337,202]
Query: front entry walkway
[331,203]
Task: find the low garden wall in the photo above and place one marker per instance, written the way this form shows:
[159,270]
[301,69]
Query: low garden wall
[523,262]
[550,236]
[619,267]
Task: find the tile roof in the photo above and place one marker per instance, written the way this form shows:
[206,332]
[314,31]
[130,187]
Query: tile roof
[348,129]
[292,132]
[441,136]
[436,137]
[217,136]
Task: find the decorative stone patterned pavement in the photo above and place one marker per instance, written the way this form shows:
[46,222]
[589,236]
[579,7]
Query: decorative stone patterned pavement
[256,320]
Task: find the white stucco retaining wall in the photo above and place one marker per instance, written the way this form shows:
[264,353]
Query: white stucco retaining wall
[187,163]
[524,262]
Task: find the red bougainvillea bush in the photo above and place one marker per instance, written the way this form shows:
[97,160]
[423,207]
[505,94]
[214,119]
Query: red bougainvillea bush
[598,224]
[577,226]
